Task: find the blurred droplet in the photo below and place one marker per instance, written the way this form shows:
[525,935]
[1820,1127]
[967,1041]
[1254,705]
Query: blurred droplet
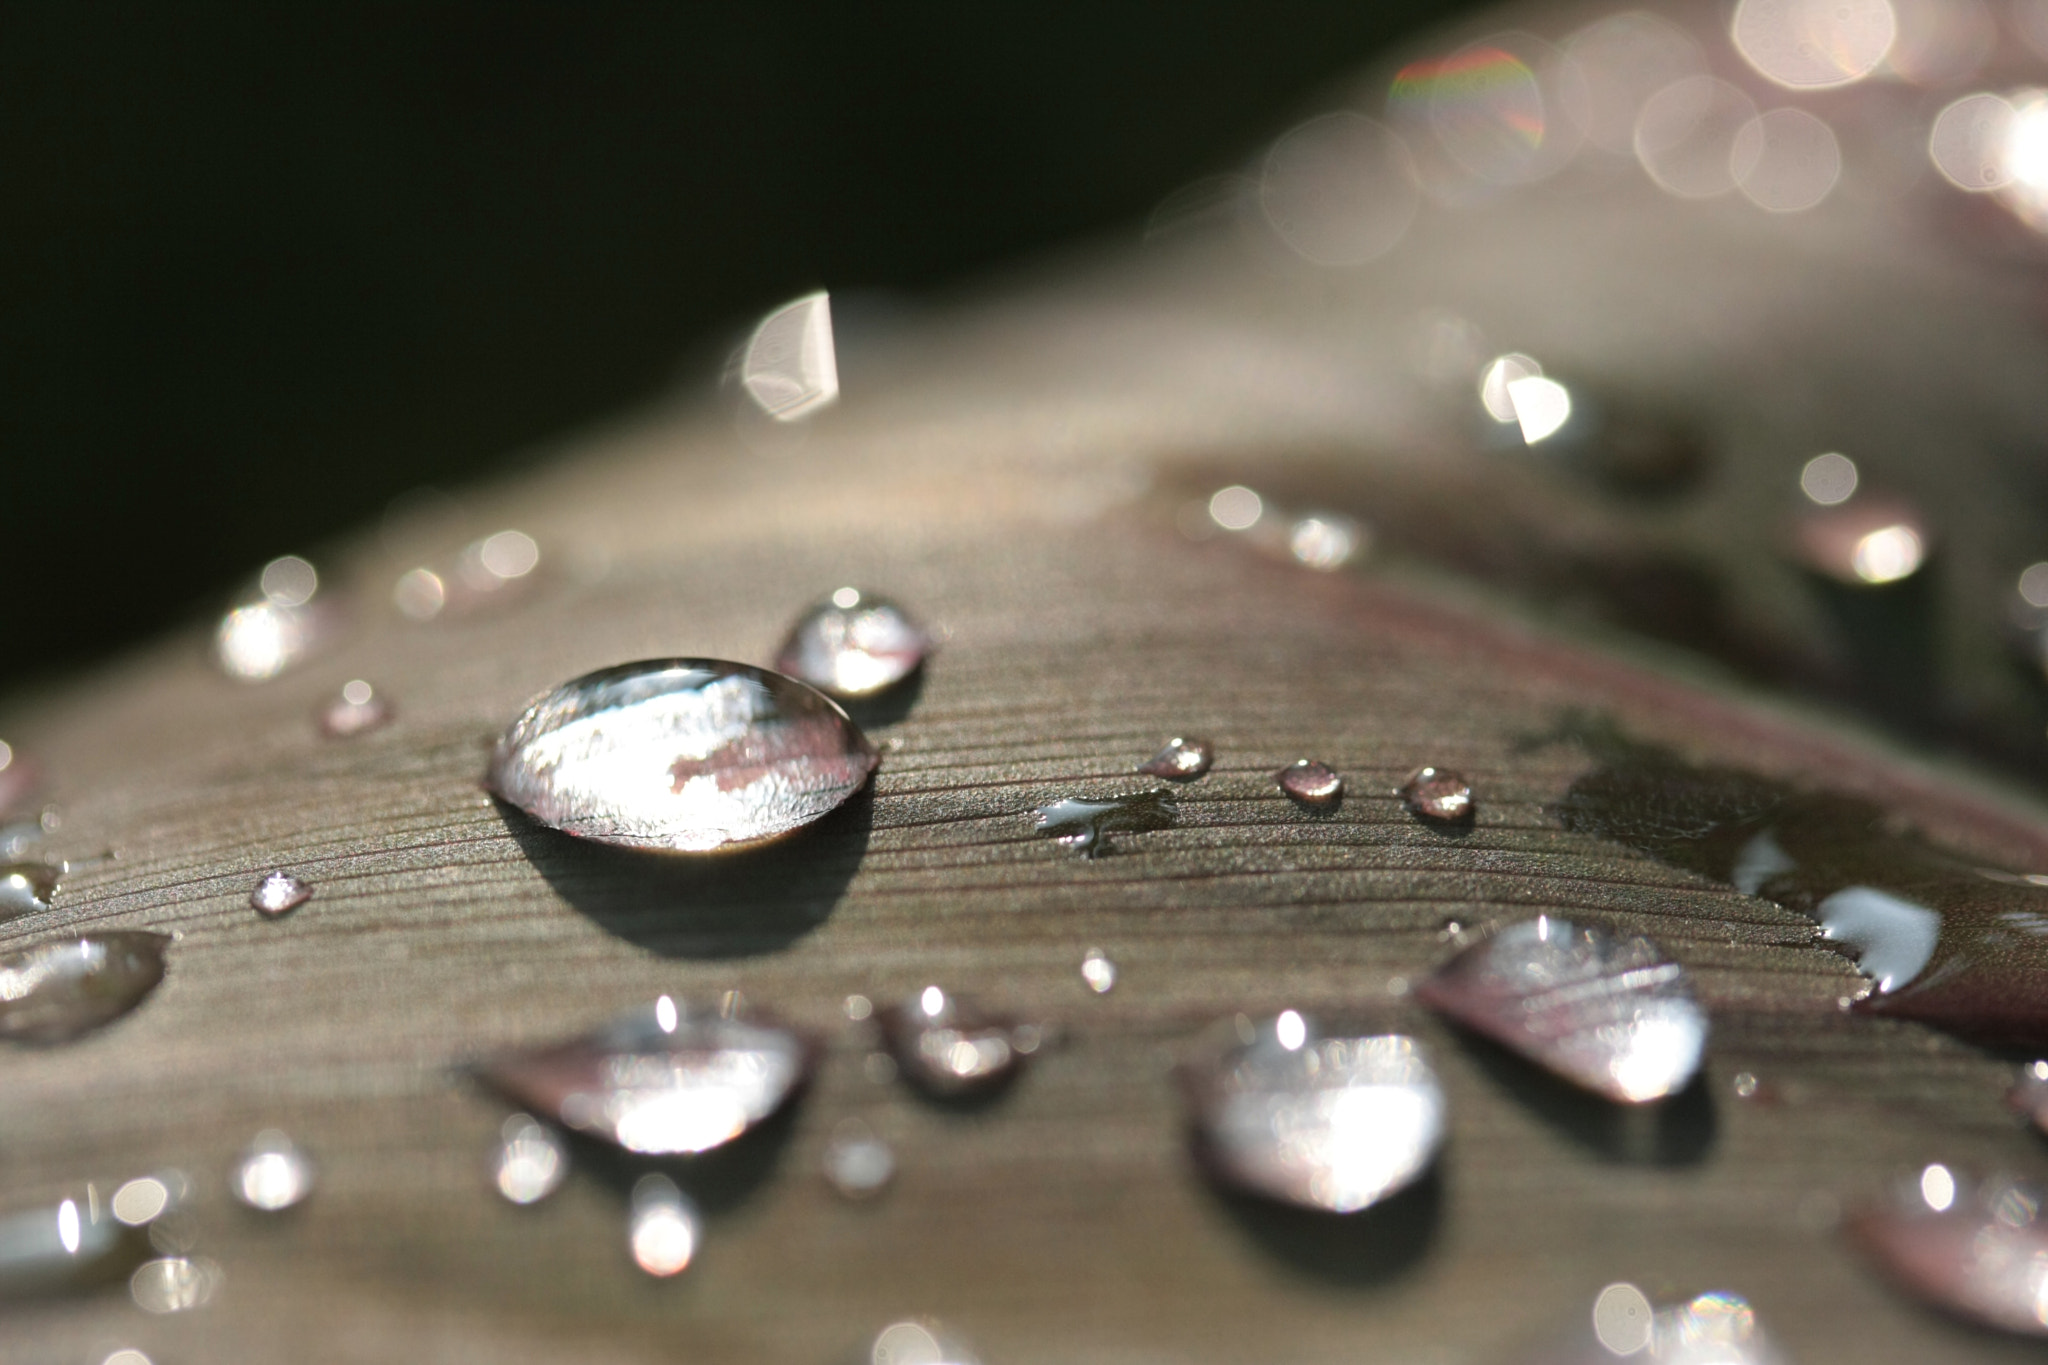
[664,1091]
[1085,825]
[948,1046]
[1973,141]
[1623,60]
[288,581]
[858,1164]
[1497,380]
[55,991]
[1828,479]
[261,640]
[684,755]
[18,778]
[272,1174]
[279,893]
[70,1244]
[1713,1329]
[1745,1085]
[919,1343]
[664,1227]
[853,645]
[140,1202]
[530,1161]
[2025,154]
[1181,760]
[1339,190]
[1541,406]
[1495,107]
[1325,541]
[1236,508]
[127,1355]
[506,555]
[2029,1094]
[356,709]
[1609,1014]
[1098,971]
[857,1007]
[26,887]
[1974,1249]
[1438,795]
[1621,1319]
[1310,783]
[1941,42]
[420,594]
[174,1284]
[1334,1123]
[1685,136]
[1814,44]
[789,368]
[1867,541]
[1786,161]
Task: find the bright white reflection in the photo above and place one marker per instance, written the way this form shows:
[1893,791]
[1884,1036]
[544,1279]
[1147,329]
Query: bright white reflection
[665,1227]
[2034,585]
[259,641]
[1290,1030]
[1828,479]
[665,1013]
[1887,554]
[1098,971]
[1621,1319]
[932,1002]
[273,1174]
[1941,42]
[916,1343]
[140,1201]
[289,581]
[1541,406]
[174,1284]
[68,1227]
[1971,140]
[531,1162]
[790,369]
[1814,44]
[1339,190]
[1324,542]
[1236,508]
[1938,1187]
[1496,380]
[1623,60]
[508,554]
[1785,161]
[2026,158]
[1893,938]
[127,1355]
[1685,136]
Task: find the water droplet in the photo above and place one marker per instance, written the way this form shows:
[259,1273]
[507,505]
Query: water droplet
[1335,1123]
[26,888]
[1867,541]
[530,1161]
[1182,760]
[919,1342]
[1713,1329]
[127,1355]
[420,594]
[1326,542]
[279,893]
[355,709]
[1098,971]
[72,1243]
[483,574]
[272,1174]
[1236,508]
[1438,795]
[140,1202]
[174,1284]
[1310,783]
[289,581]
[688,1088]
[858,1164]
[1745,1085]
[664,1226]
[689,755]
[948,1046]
[1975,1249]
[55,991]
[1085,825]
[789,368]
[858,1007]
[1621,1319]
[852,645]
[276,627]
[1605,1013]
[1814,44]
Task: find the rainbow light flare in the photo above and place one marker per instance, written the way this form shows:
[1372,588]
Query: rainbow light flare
[1484,81]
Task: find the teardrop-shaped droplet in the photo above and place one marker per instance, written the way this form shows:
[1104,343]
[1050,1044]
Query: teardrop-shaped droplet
[175,1284]
[279,893]
[1182,760]
[26,887]
[272,1174]
[853,644]
[1975,1249]
[919,1341]
[530,1162]
[1098,971]
[661,1081]
[1609,1014]
[948,1046]
[1310,783]
[1085,825]
[357,708]
[74,1242]
[664,1227]
[1335,1123]
[858,1164]
[1439,796]
[55,991]
[689,755]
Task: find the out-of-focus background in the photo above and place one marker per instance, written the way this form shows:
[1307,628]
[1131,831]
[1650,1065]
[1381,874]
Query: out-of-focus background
[266,269]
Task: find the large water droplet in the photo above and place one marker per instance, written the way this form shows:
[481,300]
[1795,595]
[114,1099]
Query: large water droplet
[1439,796]
[664,1227]
[1975,1249]
[858,1164]
[75,1242]
[1311,784]
[660,1080]
[26,888]
[530,1162]
[853,644]
[279,893]
[1605,1013]
[272,1174]
[1182,760]
[55,991]
[175,1284]
[1335,1123]
[919,1342]
[355,709]
[689,755]
[1085,825]
[947,1046]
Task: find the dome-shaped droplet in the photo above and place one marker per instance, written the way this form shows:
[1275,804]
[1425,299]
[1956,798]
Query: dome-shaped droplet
[1439,796]
[1609,1014]
[858,1164]
[1085,825]
[1310,783]
[853,644]
[1335,1123]
[272,1174]
[26,887]
[357,708]
[947,1045]
[690,755]
[1975,1249]
[663,1227]
[661,1081]
[1182,760]
[919,1341]
[279,893]
[55,991]
[530,1161]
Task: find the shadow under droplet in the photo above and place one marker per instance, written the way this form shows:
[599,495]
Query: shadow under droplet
[887,707]
[704,905]
[1679,1131]
[1362,1250]
[719,1180]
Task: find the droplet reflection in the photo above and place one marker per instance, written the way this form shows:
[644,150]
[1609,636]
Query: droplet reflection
[1685,136]
[26,887]
[858,1164]
[1180,760]
[1085,825]
[664,1227]
[1098,971]
[530,1161]
[279,893]
[789,368]
[272,1174]
[919,1343]
[1975,1249]
[1786,160]
[948,1046]
[1312,784]
[174,1284]
[1438,795]
[1814,44]
[356,709]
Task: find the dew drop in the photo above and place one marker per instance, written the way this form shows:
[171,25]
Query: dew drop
[1438,795]
[289,581]
[26,888]
[1098,971]
[663,1226]
[1182,760]
[530,1161]
[1746,1085]
[919,1342]
[279,893]
[686,755]
[1609,1014]
[1333,1123]
[272,1174]
[420,594]
[669,1091]
[947,1046]
[355,709]
[55,991]
[853,645]
[857,1007]
[1311,784]
[1974,1249]
[174,1284]
[858,1164]
[1085,825]
[1326,542]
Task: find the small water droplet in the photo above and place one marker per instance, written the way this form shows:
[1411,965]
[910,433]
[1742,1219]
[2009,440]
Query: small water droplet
[1606,1013]
[1098,971]
[530,1161]
[140,1202]
[685,755]
[276,627]
[174,1284]
[789,368]
[1310,783]
[1867,541]
[853,645]
[55,991]
[484,573]
[1333,1123]
[919,1342]
[857,1007]
[663,1227]
[288,581]
[1236,508]
[26,888]
[1182,760]
[1438,795]
[1745,1085]
[279,893]
[357,708]
[946,1045]
[272,1174]
[1712,1329]
[1973,1248]
[420,594]
[674,1091]
[1326,542]
[1085,825]
[1621,1319]
[858,1164]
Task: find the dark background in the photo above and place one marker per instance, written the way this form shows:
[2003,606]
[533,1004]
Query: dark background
[265,270]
